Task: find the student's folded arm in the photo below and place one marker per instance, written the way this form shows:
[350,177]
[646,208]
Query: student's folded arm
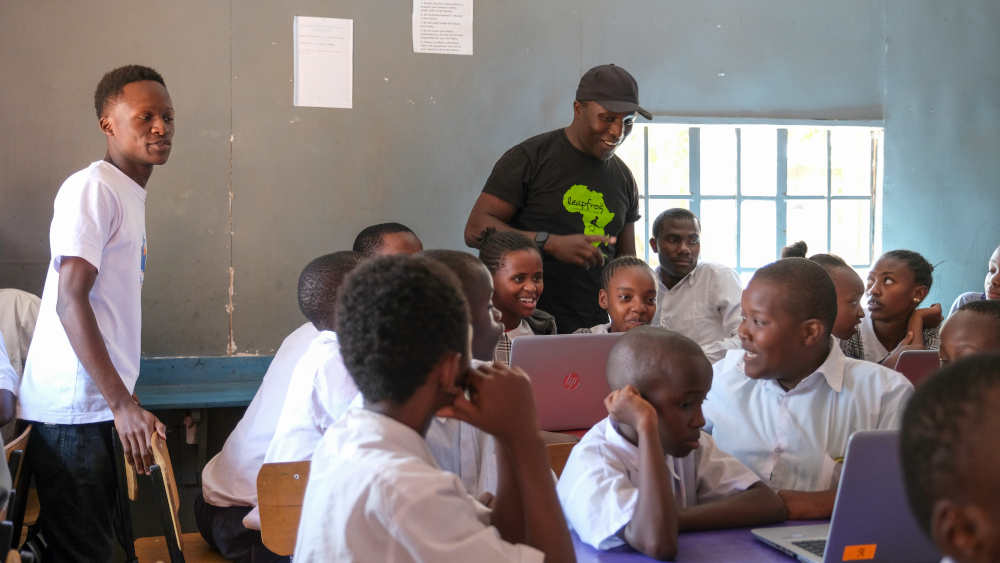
[754,506]
[653,529]
[808,505]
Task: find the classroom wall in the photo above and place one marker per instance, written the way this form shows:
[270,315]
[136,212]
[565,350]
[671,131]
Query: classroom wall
[426,129]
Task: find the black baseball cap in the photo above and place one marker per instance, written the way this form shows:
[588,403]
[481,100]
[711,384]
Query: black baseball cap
[612,87]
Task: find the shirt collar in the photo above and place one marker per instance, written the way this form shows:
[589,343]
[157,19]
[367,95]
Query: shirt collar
[619,441]
[688,279]
[831,370]
[402,437]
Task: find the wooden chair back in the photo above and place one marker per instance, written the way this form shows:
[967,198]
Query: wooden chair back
[918,365]
[558,454]
[19,443]
[281,488]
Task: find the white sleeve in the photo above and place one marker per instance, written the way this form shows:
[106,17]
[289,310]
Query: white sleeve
[895,395]
[84,218]
[720,474]
[443,523]
[8,377]
[597,496]
[727,303]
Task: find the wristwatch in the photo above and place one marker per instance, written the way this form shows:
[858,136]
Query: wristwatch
[540,238]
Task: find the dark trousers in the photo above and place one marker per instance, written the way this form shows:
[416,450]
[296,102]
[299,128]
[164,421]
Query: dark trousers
[223,529]
[78,494]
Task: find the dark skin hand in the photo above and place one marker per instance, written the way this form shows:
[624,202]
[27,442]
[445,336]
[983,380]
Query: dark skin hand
[808,505]
[754,506]
[654,524]
[491,211]
[502,404]
[134,424]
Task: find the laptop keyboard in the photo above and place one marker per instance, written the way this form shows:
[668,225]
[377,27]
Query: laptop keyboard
[815,547]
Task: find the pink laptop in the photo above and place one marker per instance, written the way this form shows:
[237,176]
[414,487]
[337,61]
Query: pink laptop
[567,374]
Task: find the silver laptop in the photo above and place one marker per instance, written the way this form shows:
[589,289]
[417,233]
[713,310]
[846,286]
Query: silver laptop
[567,374]
[871,517]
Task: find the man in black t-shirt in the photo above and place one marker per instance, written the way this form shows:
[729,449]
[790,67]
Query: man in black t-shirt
[567,191]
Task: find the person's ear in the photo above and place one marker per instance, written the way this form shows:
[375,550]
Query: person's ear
[602,299]
[449,373]
[578,108]
[960,531]
[104,122]
[652,244]
[920,292]
[812,331]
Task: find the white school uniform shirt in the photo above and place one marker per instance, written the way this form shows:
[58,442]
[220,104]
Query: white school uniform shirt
[18,314]
[319,392]
[795,439]
[99,215]
[230,478]
[599,486]
[375,493]
[704,306]
[8,377]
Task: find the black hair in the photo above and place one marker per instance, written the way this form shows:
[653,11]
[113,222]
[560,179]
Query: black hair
[465,266]
[921,268]
[940,427]
[644,351]
[494,245]
[318,285]
[369,239]
[795,250]
[620,263]
[830,261]
[988,307]
[113,81]
[672,214]
[397,316]
[809,292]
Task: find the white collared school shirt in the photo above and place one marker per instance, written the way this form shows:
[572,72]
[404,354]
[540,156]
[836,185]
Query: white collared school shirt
[795,439]
[376,494]
[599,486]
[230,478]
[704,306]
[319,392]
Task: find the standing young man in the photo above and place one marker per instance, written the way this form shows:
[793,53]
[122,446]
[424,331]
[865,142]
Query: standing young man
[84,357]
[567,191]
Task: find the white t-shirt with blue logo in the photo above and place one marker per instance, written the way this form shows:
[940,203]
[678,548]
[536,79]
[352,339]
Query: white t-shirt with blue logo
[100,216]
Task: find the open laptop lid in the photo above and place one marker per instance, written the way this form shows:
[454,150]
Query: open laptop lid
[872,520]
[567,375]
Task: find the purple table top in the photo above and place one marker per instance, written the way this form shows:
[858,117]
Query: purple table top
[737,544]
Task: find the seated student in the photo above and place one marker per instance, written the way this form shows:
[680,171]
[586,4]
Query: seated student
[229,480]
[18,314]
[320,389]
[9,381]
[375,492]
[897,284]
[973,329]
[516,265]
[647,471]
[628,294]
[949,458]
[991,286]
[786,403]
[386,239]
[849,288]
[699,300]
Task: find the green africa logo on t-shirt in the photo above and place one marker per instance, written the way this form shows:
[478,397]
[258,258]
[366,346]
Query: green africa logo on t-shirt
[590,204]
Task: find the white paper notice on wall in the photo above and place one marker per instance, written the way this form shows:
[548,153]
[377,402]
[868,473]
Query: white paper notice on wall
[442,27]
[324,62]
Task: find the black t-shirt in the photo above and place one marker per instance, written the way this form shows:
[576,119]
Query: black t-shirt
[556,188]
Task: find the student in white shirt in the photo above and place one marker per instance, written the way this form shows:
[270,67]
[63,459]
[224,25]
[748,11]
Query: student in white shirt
[84,356]
[786,404]
[8,385]
[375,492]
[320,389]
[628,294]
[648,471]
[699,300]
[950,459]
[229,480]
[18,314]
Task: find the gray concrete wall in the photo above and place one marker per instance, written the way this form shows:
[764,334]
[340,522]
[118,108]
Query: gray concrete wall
[426,129]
